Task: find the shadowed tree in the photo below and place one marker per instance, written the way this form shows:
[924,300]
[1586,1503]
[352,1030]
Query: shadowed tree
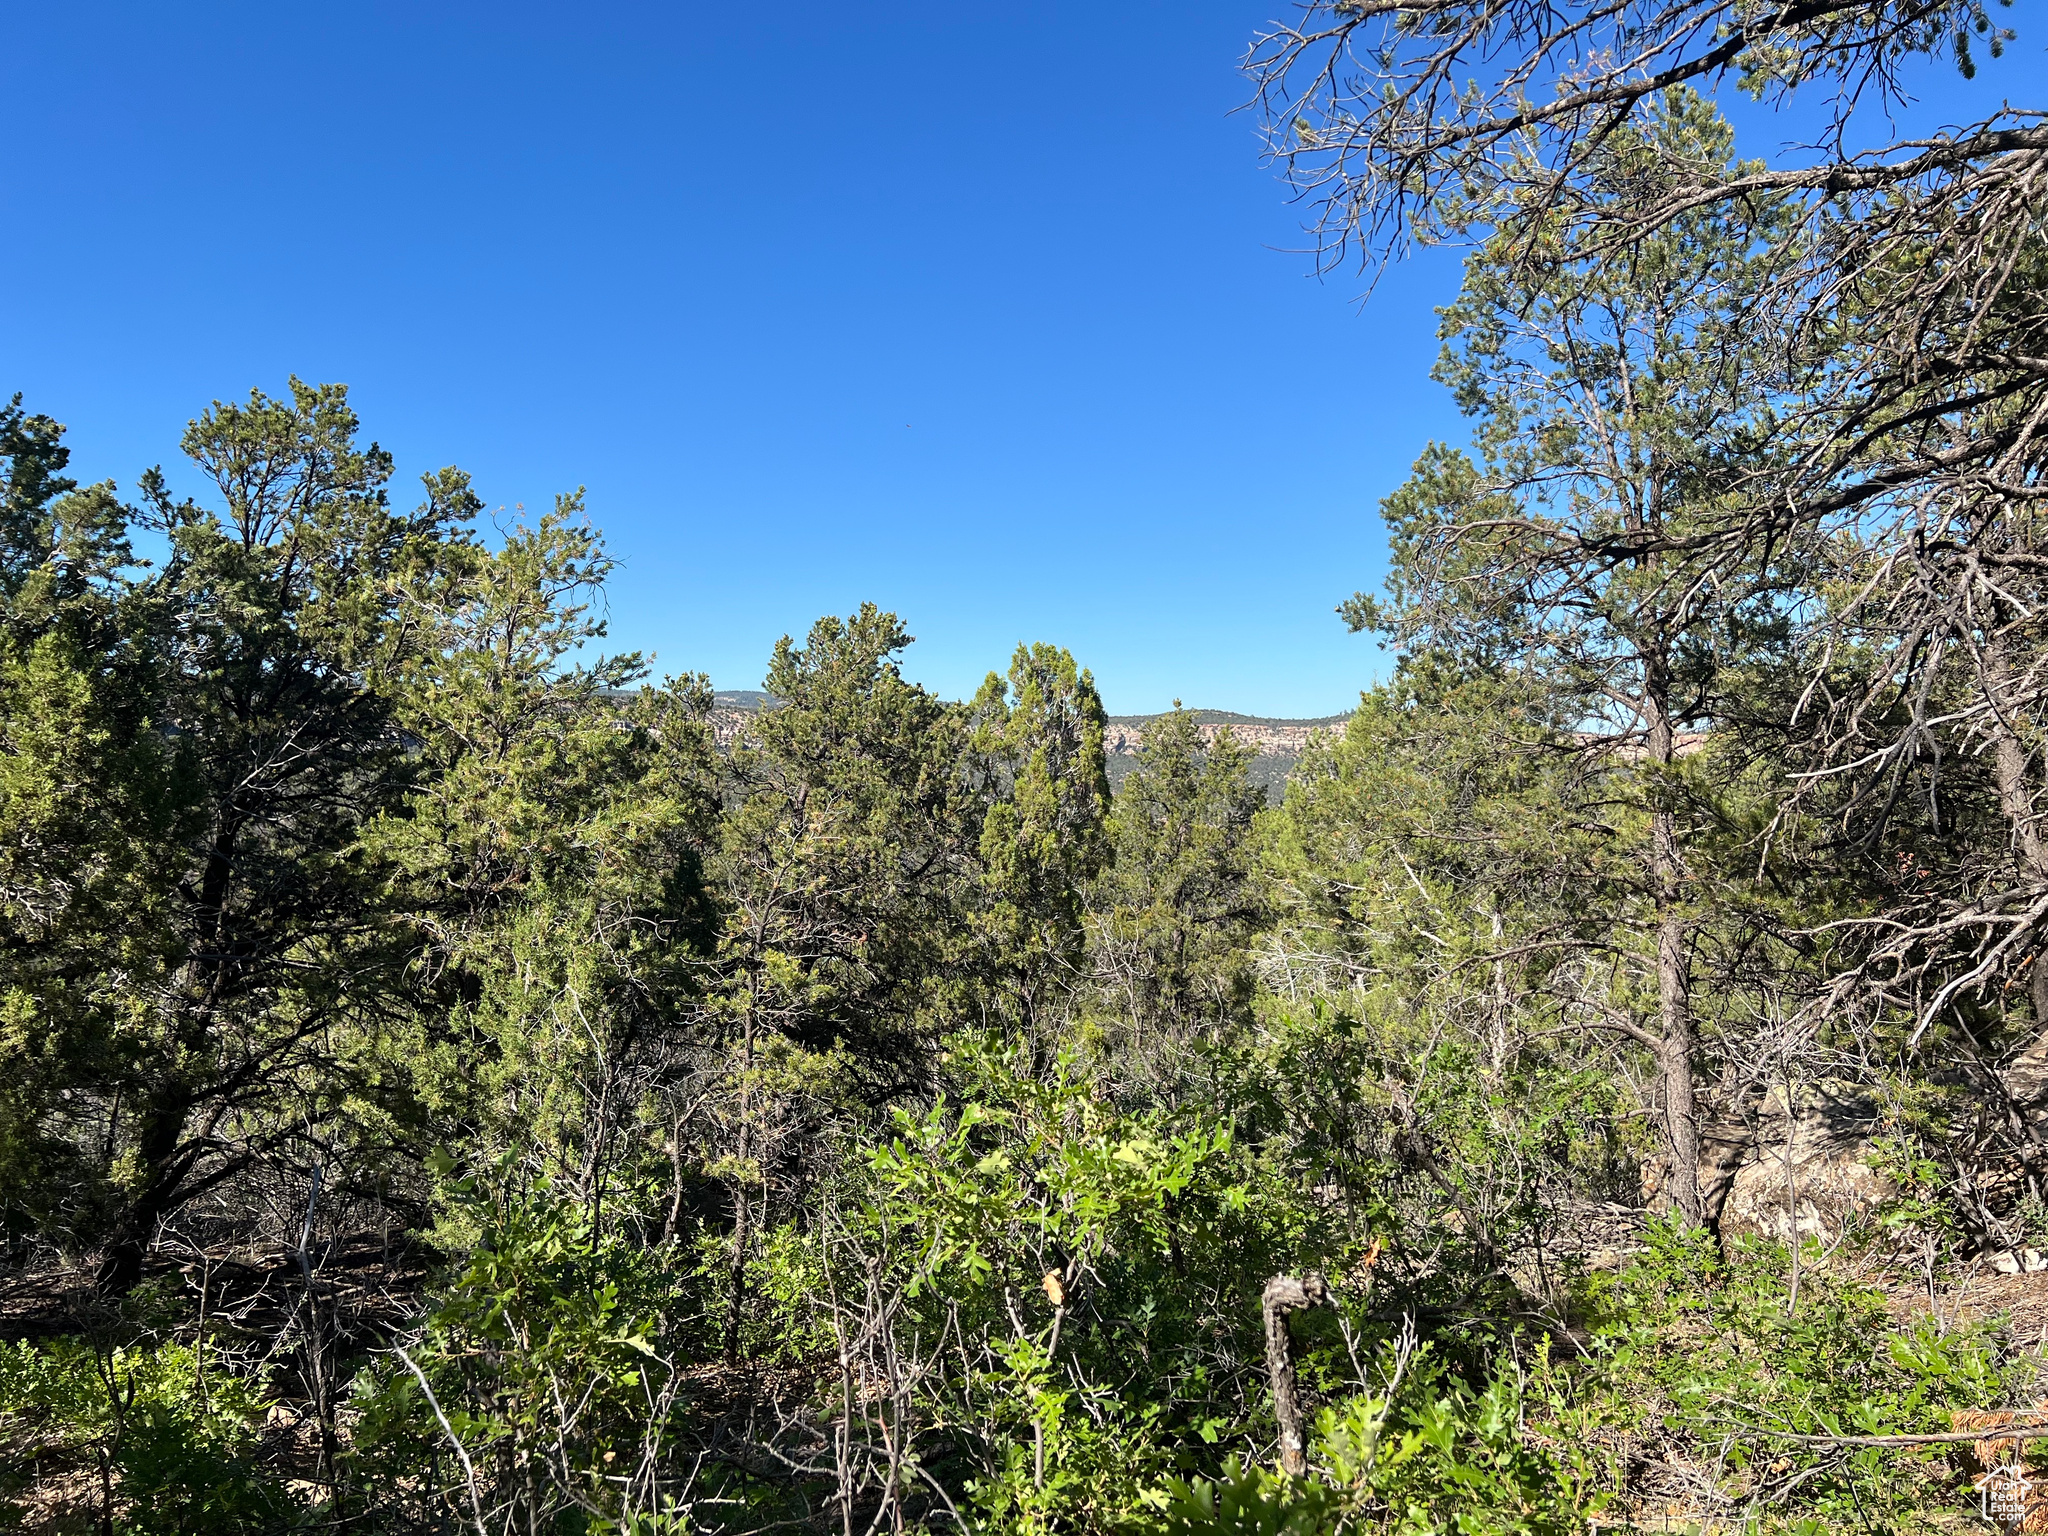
[1175,913]
[282,632]
[840,870]
[90,806]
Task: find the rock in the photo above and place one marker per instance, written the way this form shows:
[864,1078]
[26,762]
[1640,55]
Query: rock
[1815,1175]
[2027,1078]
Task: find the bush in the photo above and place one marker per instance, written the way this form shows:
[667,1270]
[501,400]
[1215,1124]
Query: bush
[1716,1362]
[170,1441]
[1431,1454]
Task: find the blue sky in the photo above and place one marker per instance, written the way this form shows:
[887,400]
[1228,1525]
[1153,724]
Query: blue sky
[984,313]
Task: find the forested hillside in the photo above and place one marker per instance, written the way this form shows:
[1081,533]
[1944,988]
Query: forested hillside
[452,1079]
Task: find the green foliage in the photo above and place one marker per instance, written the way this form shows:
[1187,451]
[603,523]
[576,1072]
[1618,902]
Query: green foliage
[1037,750]
[170,1443]
[1246,1500]
[88,799]
[545,1362]
[1177,907]
[875,1124]
[91,800]
[276,624]
[1079,1254]
[1591,561]
[1434,1455]
[1438,1455]
[32,448]
[549,858]
[839,861]
[1443,809]
[1693,1348]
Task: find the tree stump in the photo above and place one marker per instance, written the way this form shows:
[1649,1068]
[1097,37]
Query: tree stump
[1285,1294]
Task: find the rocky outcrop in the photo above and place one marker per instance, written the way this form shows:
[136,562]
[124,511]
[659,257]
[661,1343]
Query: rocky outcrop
[1268,738]
[1813,1172]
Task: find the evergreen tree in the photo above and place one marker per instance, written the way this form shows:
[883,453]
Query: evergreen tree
[282,633]
[91,802]
[549,859]
[1176,911]
[1037,754]
[1601,547]
[840,869]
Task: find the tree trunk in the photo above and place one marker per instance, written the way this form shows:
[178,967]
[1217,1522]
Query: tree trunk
[1675,1043]
[1676,1036]
[160,1128]
[1285,1294]
[2016,802]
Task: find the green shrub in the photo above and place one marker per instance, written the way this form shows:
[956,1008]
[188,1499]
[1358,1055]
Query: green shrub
[171,1438]
[1719,1360]
[549,1363]
[1433,1455]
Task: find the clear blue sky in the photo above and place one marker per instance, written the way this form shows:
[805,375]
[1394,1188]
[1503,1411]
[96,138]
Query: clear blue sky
[980,312]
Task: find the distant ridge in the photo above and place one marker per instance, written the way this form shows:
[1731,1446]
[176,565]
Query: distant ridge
[1266,732]
[1277,740]
[1231,717]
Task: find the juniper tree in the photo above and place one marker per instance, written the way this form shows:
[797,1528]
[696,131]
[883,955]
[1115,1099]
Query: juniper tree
[281,632]
[1036,753]
[547,863]
[1175,912]
[91,802]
